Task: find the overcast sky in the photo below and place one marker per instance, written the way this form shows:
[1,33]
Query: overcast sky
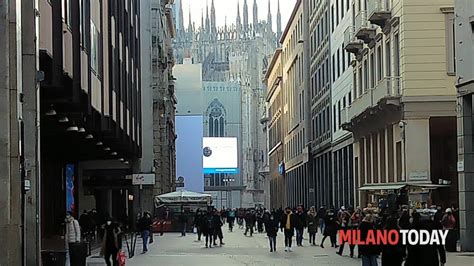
[228,8]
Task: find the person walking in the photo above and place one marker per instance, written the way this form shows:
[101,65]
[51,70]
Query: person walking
[300,224]
[73,236]
[260,221]
[217,226]
[183,220]
[369,253]
[330,228]
[231,219]
[144,227]
[424,255]
[198,223]
[312,224]
[287,225]
[208,229]
[449,223]
[344,220]
[393,255]
[321,216]
[110,242]
[250,219]
[271,227]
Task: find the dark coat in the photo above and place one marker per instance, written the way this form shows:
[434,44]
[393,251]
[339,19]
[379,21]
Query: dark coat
[392,255]
[250,219]
[312,223]
[425,255]
[300,221]
[271,227]
[292,221]
[330,221]
[367,250]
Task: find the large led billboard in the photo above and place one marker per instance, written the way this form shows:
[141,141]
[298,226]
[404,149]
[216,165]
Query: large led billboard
[220,155]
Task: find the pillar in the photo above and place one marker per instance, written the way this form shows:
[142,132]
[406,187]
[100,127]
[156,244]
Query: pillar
[466,173]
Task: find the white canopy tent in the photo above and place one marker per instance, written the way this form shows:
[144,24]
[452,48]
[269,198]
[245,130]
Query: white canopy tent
[183,197]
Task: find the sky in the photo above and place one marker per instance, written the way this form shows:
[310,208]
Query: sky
[228,8]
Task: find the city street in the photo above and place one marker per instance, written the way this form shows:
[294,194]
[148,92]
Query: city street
[172,249]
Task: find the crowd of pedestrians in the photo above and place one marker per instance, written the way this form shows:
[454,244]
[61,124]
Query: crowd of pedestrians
[295,222]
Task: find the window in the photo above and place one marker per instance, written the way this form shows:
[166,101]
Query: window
[95,47]
[338,64]
[334,117]
[396,55]
[388,62]
[333,69]
[339,113]
[332,18]
[450,44]
[343,61]
[359,86]
[366,76]
[337,12]
[372,70]
[379,63]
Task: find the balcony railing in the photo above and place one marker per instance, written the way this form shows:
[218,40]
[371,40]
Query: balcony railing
[363,29]
[387,87]
[378,12]
[359,105]
[351,43]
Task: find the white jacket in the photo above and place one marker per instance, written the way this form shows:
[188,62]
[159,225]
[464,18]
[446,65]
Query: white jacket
[73,231]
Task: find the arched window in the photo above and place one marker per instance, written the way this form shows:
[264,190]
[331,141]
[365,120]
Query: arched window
[216,114]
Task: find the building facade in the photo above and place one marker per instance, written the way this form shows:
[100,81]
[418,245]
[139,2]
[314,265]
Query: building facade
[464,10]
[341,94]
[320,26]
[275,132]
[158,99]
[294,99]
[234,55]
[402,113]
[90,112]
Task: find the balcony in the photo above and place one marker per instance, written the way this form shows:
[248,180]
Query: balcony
[351,43]
[386,88]
[379,12]
[363,29]
[359,105]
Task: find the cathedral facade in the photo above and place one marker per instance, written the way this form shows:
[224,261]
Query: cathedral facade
[234,60]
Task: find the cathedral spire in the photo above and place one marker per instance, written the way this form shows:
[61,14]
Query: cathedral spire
[202,19]
[246,16]
[269,17]
[213,17]
[279,33]
[181,17]
[255,15]
[238,23]
[208,26]
[190,22]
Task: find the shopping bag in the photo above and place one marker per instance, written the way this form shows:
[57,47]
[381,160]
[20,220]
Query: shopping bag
[121,258]
[195,230]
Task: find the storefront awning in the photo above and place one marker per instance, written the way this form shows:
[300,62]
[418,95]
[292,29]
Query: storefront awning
[382,187]
[427,186]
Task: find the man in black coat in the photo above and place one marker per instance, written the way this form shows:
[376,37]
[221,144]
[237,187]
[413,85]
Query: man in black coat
[300,224]
[287,225]
[217,225]
[250,219]
[271,227]
[424,255]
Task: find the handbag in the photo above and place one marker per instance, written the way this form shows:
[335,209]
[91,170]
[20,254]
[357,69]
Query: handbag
[195,230]
[121,258]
